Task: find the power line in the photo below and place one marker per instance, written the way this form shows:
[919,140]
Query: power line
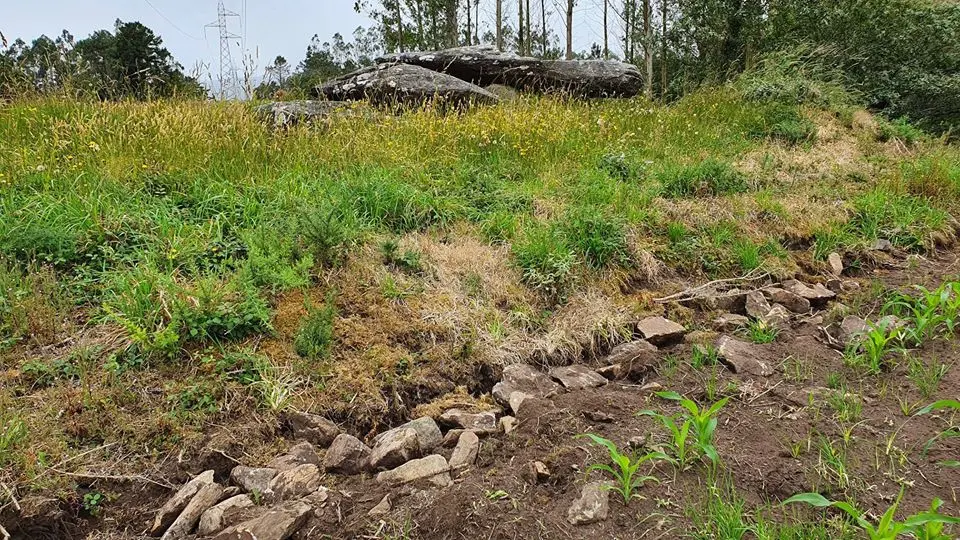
[171,23]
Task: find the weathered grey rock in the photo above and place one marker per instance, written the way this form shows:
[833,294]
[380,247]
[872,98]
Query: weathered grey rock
[882,244]
[217,517]
[404,85]
[523,378]
[278,523]
[433,469]
[508,424]
[503,92]
[300,454]
[382,508]
[577,377]
[852,329]
[592,506]
[484,65]
[253,479]
[294,483]
[285,114]
[756,305]
[428,433]
[484,422]
[634,359]
[312,428]
[517,399]
[465,454]
[778,316]
[396,448]
[730,321]
[787,299]
[816,294]
[346,455]
[206,497]
[660,331]
[743,357]
[836,263]
[174,506]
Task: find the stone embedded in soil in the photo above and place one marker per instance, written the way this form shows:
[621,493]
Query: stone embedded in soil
[532,409]
[852,329]
[206,497]
[816,294]
[742,357]
[598,416]
[787,299]
[882,244]
[382,508]
[592,506]
[523,378]
[508,424]
[175,505]
[484,422]
[465,454]
[252,479]
[346,455]
[300,454]
[217,517]
[730,321]
[778,316]
[836,263]
[294,483]
[577,377]
[278,523]
[395,449]
[433,468]
[313,428]
[660,331]
[428,433]
[516,400]
[632,359]
[757,305]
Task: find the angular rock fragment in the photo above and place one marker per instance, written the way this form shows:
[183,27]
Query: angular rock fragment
[428,433]
[175,505]
[346,455]
[526,379]
[660,331]
[312,428]
[757,305]
[252,479]
[465,454]
[484,422]
[300,454]
[743,357]
[787,299]
[577,377]
[433,469]
[206,497]
[278,523]
[217,517]
[592,506]
[395,449]
[294,483]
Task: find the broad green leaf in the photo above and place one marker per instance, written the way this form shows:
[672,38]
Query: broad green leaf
[813,499]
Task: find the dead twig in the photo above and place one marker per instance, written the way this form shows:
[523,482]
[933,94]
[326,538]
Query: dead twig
[120,477]
[693,293]
[13,499]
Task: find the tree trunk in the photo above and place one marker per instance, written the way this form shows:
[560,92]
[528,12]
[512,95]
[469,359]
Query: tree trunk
[468,31]
[663,52]
[419,15]
[520,40]
[451,16]
[569,54]
[529,32]
[606,34]
[543,26]
[627,32]
[476,22]
[399,27]
[648,49]
[500,25]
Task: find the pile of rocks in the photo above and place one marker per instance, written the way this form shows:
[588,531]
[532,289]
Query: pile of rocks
[273,501]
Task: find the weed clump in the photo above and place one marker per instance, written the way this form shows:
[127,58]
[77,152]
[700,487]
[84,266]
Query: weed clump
[315,335]
[546,261]
[707,178]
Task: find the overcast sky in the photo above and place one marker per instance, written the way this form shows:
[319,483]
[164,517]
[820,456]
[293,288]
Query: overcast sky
[270,27]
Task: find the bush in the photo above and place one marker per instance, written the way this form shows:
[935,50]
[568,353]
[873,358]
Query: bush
[546,261]
[709,177]
[315,335]
[901,130]
[329,232]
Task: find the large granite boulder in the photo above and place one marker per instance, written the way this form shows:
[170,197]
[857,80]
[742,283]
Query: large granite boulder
[404,85]
[484,65]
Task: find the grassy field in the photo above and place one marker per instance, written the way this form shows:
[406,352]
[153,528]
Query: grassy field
[169,266]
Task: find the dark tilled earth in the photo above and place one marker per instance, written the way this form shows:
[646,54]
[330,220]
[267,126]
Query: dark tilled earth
[768,439]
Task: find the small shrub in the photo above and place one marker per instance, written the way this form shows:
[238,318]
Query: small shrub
[329,231]
[315,335]
[708,178]
[546,261]
[899,129]
[617,166]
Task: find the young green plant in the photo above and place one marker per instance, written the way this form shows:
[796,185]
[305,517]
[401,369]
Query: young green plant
[702,422]
[624,467]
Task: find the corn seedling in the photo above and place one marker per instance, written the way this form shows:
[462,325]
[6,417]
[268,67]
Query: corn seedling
[702,422]
[951,432]
[624,467]
[927,525]
[871,353]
